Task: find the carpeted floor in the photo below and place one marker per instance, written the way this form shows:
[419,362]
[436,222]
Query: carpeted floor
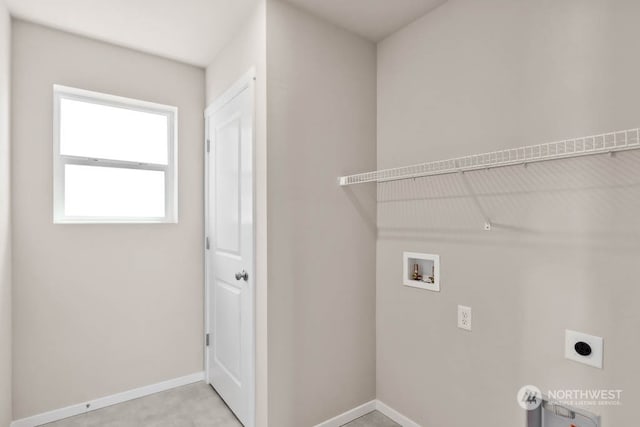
[196,405]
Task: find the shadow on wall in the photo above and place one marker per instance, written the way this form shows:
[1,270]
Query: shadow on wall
[591,201]
[363,202]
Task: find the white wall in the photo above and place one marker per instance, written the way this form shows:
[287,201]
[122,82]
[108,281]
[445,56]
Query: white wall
[245,51]
[315,98]
[476,76]
[100,309]
[5,223]
[321,124]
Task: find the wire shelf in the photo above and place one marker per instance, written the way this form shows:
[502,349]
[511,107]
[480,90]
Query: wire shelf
[584,146]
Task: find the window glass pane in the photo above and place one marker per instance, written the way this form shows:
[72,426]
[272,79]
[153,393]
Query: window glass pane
[101,131]
[113,192]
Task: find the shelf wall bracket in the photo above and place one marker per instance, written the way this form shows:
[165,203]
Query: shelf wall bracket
[476,201]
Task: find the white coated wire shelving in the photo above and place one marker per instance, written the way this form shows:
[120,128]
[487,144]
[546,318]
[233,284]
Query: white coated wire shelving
[584,146]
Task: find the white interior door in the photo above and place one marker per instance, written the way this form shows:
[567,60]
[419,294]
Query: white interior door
[229,257]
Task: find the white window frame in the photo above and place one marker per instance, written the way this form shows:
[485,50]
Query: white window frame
[59,161]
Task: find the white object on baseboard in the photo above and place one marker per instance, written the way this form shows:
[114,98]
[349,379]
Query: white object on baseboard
[374,405]
[428,269]
[102,402]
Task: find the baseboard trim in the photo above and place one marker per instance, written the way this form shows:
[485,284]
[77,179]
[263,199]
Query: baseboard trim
[350,415]
[92,405]
[357,412]
[396,416]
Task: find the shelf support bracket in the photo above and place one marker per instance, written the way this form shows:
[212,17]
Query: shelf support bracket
[476,201]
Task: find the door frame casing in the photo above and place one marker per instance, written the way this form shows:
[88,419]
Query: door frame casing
[246,82]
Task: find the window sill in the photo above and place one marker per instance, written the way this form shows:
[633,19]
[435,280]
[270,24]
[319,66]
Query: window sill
[113,221]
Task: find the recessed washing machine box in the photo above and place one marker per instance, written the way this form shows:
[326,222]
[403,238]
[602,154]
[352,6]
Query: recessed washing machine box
[421,271]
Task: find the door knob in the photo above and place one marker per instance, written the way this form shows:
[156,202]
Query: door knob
[242,275]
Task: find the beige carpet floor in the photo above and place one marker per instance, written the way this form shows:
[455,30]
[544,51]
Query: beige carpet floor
[196,405]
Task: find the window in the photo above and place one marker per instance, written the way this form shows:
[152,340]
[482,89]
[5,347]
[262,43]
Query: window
[114,159]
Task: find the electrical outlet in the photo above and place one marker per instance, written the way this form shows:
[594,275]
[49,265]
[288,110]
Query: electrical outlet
[583,348]
[464,317]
